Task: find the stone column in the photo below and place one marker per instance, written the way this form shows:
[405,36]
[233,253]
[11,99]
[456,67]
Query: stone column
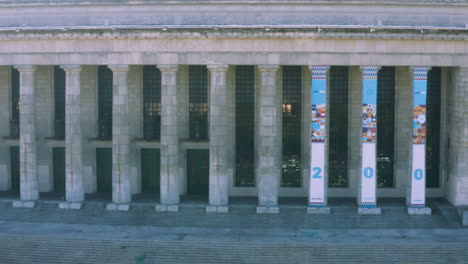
[269,141]
[318,142]
[169,140]
[74,184]
[29,188]
[416,199]
[367,200]
[121,195]
[218,193]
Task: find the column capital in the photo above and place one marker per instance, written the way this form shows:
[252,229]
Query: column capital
[419,72]
[319,67]
[71,67]
[25,68]
[217,67]
[268,67]
[168,67]
[319,71]
[369,72]
[118,67]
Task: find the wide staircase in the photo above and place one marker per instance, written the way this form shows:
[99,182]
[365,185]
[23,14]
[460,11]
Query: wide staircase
[246,237]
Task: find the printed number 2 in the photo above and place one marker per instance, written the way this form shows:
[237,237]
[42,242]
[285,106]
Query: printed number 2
[368,172]
[317,170]
[418,174]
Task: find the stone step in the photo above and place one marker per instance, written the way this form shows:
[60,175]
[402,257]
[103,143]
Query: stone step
[14,249]
[444,216]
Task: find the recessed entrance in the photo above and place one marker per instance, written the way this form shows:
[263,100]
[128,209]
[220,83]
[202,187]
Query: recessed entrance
[198,172]
[150,170]
[15,169]
[58,154]
[104,170]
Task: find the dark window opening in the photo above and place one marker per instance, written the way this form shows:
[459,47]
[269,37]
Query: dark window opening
[151,103]
[433,128]
[338,128]
[14,121]
[292,109]
[245,121]
[385,126]
[59,103]
[105,102]
[198,102]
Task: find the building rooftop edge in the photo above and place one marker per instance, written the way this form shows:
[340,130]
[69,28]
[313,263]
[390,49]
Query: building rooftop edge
[241,2]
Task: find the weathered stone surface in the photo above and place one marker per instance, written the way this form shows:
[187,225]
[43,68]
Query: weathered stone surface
[318,210]
[419,210]
[24,204]
[267,209]
[120,136]
[29,185]
[167,208]
[268,147]
[74,183]
[117,207]
[369,211]
[219,136]
[169,171]
[70,205]
[217,209]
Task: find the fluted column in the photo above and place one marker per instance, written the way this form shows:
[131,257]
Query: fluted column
[29,188]
[74,189]
[269,141]
[121,195]
[318,142]
[218,187]
[416,199]
[367,200]
[169,174]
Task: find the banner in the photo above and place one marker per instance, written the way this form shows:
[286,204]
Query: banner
[418,163]
[318,136]
[369,136]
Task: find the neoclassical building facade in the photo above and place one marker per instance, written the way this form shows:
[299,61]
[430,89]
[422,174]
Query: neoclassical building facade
[222,99]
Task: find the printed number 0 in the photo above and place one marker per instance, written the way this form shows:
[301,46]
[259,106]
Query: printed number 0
[368,172]
[418,174]
[317,173]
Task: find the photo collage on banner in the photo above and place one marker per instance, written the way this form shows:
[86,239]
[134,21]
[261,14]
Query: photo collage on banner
[369,136]
[418,181]
[318,136]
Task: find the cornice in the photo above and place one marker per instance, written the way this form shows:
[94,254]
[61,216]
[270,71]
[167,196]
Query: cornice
[40,3]
[238,33]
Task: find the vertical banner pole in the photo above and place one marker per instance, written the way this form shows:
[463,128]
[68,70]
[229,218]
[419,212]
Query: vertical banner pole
[367,200]
[318,173]
[418,160]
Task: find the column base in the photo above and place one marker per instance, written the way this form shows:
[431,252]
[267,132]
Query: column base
[167,208]
[318,210]
[419,211]
[369,210]
[117,207]
[267,209]
[217,209]
[70,205]
[24,204]
[463,213]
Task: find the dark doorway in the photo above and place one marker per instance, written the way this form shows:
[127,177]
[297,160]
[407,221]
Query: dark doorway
[58,154]
[104,170]
[150,170]
[15,169]
[198,171]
